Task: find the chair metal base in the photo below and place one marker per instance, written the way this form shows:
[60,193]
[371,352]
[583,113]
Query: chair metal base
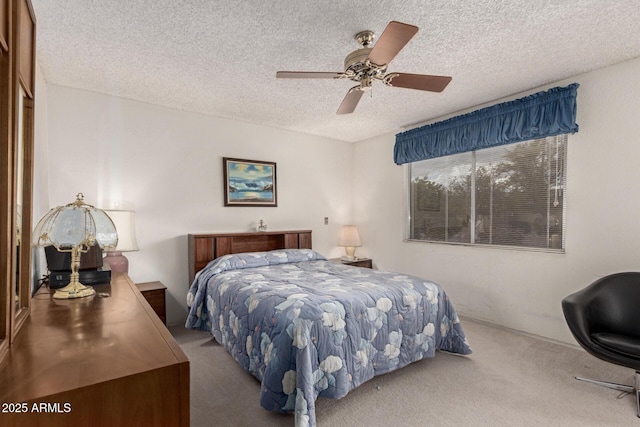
[626,389]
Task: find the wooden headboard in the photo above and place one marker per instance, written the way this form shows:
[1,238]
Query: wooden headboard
[206,247]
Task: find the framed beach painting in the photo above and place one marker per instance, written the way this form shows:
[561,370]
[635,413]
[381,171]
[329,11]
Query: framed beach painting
[249,183]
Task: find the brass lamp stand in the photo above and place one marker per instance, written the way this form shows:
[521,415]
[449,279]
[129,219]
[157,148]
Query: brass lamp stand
[75,289]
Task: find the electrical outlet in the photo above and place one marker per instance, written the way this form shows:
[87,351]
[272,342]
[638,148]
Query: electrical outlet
[326,220]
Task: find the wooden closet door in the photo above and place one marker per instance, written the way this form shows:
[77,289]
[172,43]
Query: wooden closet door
[6,180]
[17,95]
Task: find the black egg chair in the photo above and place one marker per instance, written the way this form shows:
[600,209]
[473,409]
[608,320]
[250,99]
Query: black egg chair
[604,318]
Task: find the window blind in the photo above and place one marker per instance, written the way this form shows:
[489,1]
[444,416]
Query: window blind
[511,195]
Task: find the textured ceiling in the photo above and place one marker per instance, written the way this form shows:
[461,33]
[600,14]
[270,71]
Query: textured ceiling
[220,57]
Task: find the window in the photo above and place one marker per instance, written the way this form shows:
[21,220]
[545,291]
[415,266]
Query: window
[510,195]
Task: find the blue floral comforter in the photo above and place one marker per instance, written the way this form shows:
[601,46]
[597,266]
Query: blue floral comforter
[308,327]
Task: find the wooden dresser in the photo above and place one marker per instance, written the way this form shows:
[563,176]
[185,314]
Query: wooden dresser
[105,360]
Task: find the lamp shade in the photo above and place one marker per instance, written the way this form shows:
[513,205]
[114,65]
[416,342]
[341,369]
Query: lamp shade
[126,226]
[349,236]
[73,225]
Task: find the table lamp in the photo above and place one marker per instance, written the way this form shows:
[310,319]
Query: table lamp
[349,238]
[125,223]
[75,228]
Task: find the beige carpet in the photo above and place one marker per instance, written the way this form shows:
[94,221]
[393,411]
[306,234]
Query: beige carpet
[510,380]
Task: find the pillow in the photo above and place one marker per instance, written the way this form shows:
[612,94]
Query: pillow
[260,259]
[250,260]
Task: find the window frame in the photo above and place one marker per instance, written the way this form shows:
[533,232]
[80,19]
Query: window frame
[472,241]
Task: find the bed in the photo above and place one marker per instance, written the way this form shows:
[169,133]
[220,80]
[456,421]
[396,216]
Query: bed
[307,327]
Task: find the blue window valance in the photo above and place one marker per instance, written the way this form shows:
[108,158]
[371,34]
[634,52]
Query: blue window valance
[535,116]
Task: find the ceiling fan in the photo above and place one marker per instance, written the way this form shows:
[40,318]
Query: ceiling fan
[368,63]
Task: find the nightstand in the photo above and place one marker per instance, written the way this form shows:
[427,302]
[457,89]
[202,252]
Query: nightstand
[360,262]
[154,293]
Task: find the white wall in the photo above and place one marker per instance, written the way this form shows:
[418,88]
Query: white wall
[167,165]
[518,289]
[40,170]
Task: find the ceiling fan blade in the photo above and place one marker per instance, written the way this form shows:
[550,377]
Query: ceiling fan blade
[418,81]
[307,75]
[392,40]
[350,101]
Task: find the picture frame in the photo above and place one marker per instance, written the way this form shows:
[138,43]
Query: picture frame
[249,182]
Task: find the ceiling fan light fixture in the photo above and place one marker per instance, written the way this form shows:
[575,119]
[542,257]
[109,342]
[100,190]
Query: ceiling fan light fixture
[357,59]
[365,84]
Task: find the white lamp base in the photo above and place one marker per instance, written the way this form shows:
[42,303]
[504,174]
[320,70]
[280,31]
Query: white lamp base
[351,252]
[118,263]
